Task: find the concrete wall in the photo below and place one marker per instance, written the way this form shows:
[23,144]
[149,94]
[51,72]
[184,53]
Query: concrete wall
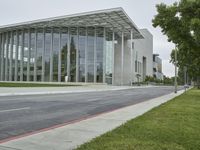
[127,63]
[144,48]
[117,64]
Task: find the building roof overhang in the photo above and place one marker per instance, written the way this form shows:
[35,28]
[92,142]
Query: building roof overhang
[114,19]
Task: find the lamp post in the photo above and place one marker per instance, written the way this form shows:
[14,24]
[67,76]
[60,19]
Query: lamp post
[175,80]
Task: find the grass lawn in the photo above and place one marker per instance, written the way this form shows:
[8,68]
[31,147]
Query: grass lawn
[9,84]
[174,125]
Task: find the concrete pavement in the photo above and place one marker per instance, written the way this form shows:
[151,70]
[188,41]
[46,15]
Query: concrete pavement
[71,135]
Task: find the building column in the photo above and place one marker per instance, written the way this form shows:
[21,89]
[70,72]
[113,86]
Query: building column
[22,57]
[6,63]
[35,57]
[51,57]
[16,54]
[77,57]
[59,57]
[2,57]
[95,55]
[29,52]
[113,57]
[68,56]
[104,55]
[131,46]
[122,59]
[86,56]
[43,54]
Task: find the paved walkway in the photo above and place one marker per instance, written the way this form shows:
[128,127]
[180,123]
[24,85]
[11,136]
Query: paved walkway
[9,91]
[69,136]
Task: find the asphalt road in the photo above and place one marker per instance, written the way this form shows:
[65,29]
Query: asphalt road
[24,114]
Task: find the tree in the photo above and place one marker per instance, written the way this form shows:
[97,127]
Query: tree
[181,23]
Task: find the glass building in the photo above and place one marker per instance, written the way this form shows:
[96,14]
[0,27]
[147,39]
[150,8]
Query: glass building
[87,47]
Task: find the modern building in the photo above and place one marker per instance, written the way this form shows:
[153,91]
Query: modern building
[157,67]
[99,47]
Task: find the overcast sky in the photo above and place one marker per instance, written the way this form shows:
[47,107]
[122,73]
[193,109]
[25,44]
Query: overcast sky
[141,12]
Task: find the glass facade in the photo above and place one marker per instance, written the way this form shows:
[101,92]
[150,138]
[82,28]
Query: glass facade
[99,54]
[25,55]
[73,53]
[47,52]
[20,33]
[90,54]
[64,52]
[39,55]
[14,54]
[32,55]
[56,49]
[109,57]
[82,45]
[53,54]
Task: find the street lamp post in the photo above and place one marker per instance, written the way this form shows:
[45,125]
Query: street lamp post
[175,80]
[185,75]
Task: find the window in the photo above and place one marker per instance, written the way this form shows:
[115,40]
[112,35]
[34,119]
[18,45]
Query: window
[99,52]
[90,54]
[64,52]
[19,57]
[25,55]
[56,37]
[32,54]
[73,50]
[47,53]
[82,44]
[109,57]
[39,54]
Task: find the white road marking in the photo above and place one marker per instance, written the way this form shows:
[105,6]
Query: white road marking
[9,110]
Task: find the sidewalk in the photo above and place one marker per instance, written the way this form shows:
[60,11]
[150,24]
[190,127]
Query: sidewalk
[67,137]
[10,91]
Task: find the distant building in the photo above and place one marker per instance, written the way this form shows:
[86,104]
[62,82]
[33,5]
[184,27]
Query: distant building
[157,67]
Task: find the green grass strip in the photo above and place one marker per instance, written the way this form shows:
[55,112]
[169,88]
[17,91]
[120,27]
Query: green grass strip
[9,84]
[174,125]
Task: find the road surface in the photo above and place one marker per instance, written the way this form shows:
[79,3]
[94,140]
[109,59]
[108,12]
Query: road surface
[24,114]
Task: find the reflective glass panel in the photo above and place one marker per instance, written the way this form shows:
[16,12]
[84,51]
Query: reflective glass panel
[32,54]
[39,54]
[90,54]
[109,57]
[2,57]
[47,55]
[19,56]
[73,49]
[99,51]
[56,41]
[64,51]
[14,55]
[82,42]
[25,56]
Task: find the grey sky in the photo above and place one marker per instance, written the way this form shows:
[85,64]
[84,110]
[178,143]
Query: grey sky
[141,12]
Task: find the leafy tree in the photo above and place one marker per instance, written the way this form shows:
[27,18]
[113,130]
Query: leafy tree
[181,23]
